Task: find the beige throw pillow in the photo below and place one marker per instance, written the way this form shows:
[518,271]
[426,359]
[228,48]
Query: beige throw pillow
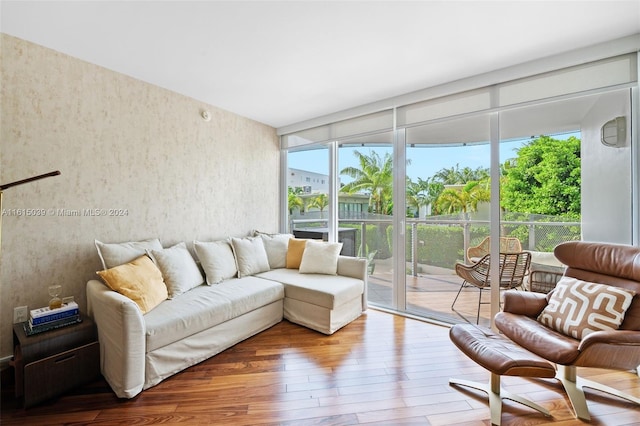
[276,246]
[114,254]
[217,260]
[251,257]
[179,271]
[320,257]
[577,308]
[139,280]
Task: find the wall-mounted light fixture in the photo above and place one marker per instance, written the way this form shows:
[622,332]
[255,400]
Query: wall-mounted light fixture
[614,132]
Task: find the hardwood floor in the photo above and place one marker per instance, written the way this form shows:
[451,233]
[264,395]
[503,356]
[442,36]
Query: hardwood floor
[381,369]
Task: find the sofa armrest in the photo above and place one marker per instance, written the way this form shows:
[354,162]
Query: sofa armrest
[355,267]
[121,332]
[524,302]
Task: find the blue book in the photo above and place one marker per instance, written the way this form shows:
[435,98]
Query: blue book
[45,315]
[30,329]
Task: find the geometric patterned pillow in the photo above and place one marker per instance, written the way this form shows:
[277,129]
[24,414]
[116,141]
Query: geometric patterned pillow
[577,308]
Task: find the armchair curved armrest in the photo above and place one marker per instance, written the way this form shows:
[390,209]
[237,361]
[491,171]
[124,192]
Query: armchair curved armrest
[611,337]
[614,349]
[524,303]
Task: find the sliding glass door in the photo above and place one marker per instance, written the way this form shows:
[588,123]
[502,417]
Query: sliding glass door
[424,187]
[366,208]
[448,205]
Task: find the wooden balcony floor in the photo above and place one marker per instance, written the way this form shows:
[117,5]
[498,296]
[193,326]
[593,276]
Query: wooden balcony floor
[430,294]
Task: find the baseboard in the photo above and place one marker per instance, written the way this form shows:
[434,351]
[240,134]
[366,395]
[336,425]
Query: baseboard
[4,362]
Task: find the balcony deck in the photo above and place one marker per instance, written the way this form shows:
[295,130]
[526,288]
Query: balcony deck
[430,294]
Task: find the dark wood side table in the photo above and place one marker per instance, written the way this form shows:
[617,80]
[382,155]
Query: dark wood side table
[50,363]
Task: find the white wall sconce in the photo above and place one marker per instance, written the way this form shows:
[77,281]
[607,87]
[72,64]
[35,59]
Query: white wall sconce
[614,132]
[206,115]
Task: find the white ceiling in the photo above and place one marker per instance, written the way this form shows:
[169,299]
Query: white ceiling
[285,62]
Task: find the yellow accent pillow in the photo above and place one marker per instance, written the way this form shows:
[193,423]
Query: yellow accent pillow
[294,252]
[140,280]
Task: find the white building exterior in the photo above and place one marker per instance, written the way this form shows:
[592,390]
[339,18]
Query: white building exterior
[310,182]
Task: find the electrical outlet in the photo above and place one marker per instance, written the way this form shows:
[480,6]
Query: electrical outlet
[20,314]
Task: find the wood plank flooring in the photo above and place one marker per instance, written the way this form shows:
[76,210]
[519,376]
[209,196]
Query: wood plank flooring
[382,369]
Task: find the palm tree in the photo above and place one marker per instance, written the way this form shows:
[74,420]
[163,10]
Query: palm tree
[416,197]
[465,199]
[294,200]
[423,193]
[374,176]
[457,176]
[320,202]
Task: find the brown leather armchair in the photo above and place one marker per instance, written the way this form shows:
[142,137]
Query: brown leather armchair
[611,264]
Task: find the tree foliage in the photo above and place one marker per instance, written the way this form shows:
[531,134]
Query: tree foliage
[464,199]
[320,202]
[457,176]
[544,178]
[374,176]
[294,200]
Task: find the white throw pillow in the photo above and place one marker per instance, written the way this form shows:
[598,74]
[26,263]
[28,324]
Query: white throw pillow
[320,257]
[116,254]
[179,270]
[217,260]
[251,256]
[276,246]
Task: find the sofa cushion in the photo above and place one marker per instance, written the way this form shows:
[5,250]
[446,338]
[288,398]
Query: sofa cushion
[577,308]
[320,257]
[207,306]
[114,254]
[140,280]
[295,250]
[276,246]
[179,270]
[217,260]
[327,291]
[251,256]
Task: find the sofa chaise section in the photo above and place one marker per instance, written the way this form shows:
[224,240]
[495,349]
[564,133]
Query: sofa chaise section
[324,303]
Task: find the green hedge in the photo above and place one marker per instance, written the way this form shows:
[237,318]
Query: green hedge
[376,239]
[437,245]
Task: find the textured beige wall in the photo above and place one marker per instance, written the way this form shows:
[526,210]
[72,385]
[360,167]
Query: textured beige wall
[120,144]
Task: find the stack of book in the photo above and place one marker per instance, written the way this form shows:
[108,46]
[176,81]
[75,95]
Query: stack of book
[43,319]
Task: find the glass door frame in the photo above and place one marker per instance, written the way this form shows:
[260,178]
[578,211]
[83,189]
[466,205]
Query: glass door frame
[399,222]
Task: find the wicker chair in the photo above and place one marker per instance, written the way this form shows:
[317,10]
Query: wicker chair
[507,245]
[513,268]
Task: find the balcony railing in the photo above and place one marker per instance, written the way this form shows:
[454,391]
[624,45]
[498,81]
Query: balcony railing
[442,242]
[434,245]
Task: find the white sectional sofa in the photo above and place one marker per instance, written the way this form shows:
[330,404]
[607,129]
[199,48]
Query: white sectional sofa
[146,337]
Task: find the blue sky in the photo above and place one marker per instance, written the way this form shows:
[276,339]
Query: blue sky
[425,162]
